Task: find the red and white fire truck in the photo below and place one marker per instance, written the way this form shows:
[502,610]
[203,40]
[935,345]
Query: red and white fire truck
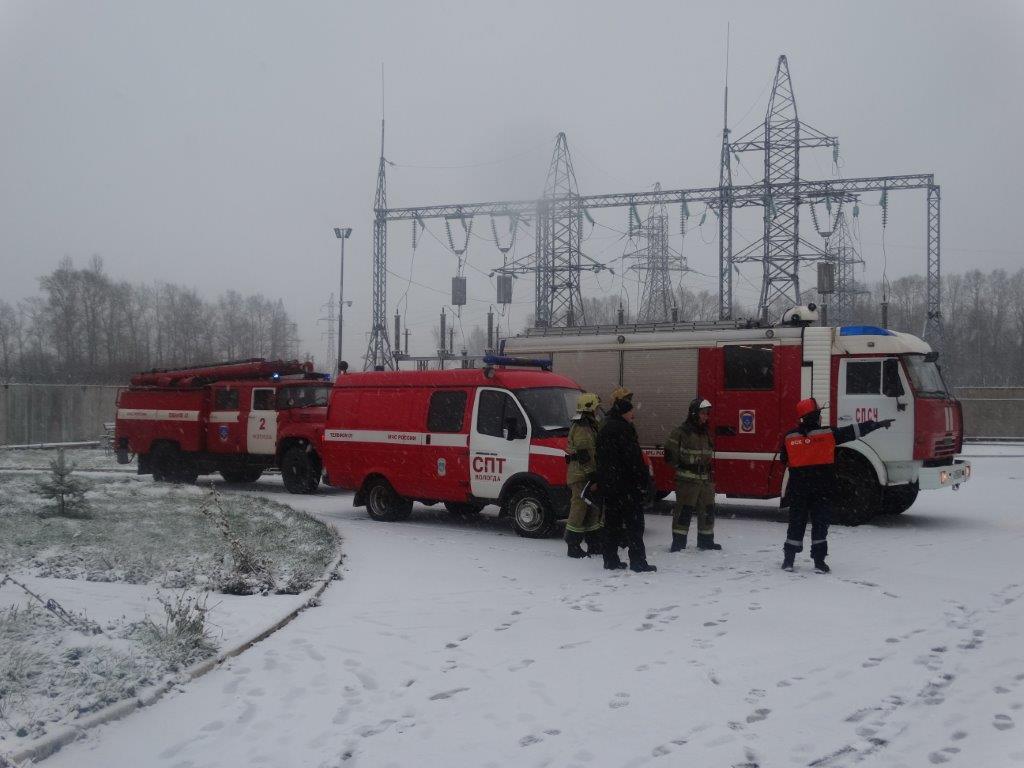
[465,437]
[754,377]
[238,418]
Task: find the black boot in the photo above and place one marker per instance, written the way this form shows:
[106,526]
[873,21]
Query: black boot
[678,542]
[612,562]
[642,566]
[707,541]
[787,560]
[573,539]
[594,540]
[821,566]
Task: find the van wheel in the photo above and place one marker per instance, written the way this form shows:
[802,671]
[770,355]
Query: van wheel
[171,465]
[383,503]
[899,498]
[531,513]
[463,508]
[858,494]
[300,470]
[245,475]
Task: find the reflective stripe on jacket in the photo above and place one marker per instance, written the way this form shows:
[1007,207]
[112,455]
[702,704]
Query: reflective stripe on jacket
[582,449]
[690,451]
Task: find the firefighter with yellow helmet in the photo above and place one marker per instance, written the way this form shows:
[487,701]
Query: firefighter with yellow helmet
[584,521]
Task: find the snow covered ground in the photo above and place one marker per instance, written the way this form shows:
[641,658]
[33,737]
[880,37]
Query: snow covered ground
[457,643]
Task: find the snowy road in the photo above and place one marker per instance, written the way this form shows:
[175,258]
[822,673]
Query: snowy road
[460,644]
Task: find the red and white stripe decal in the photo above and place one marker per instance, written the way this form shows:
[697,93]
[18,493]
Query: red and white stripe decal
[224,417]
[437,439]
[544,450]
[139,414]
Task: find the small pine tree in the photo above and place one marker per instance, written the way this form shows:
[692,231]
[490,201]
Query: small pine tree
[65,489]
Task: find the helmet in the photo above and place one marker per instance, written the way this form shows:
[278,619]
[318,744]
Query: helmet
[621,393]
[587,402]
[806,407]
[698,404]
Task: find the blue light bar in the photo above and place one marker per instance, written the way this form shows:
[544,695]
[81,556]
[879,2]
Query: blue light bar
[517,361]
[864,330]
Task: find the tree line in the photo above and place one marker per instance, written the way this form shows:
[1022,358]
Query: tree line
[86,327]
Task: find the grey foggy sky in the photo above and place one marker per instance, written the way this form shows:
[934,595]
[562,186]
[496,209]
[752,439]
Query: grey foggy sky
[217,144]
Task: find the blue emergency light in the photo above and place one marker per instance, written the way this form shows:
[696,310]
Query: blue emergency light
[518,362]
[864,330]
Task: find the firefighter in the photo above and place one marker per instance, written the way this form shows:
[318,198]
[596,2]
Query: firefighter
[810,453]
[689,449]
[623,478]
[584,520]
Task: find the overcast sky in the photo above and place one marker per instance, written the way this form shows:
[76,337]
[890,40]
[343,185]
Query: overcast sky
[217,144]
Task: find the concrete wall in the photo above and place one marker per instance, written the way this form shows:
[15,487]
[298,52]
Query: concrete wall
[993,411]
[54,413]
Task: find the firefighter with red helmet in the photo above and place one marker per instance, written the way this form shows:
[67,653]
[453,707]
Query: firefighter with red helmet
[810,453]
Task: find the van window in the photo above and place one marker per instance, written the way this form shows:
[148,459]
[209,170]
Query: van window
[446,412]
[864,378]
[263,399]
[749,366]
[226,400]
[494,413]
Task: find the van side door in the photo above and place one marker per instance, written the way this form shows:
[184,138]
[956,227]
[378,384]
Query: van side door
[499,443]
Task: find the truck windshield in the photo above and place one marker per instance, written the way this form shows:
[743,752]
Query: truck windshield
[925,376]
[302,397]
[550,409]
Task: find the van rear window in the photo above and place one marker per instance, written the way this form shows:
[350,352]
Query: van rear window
[447,410]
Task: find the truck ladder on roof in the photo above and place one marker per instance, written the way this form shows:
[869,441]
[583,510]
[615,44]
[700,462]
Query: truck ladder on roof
[818,358]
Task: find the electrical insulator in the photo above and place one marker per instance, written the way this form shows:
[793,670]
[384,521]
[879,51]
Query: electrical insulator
[458,291]
[884,202]
[504,289]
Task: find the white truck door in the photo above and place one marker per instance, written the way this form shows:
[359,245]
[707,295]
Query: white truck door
[499,443]
[875,389]
[262,426]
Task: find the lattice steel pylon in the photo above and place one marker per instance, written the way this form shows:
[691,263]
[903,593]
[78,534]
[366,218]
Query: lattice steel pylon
[933,330]
[378,351]
[655,263]
[559,231]
[780,138]
[847,257]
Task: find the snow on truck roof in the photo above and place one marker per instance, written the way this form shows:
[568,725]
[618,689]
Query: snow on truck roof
[510,378]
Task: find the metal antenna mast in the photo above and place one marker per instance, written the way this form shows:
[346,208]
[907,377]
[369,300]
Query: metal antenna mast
[378,351]
[559,232]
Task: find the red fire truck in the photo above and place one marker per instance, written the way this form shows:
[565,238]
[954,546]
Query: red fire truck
[754,377]
[466,437]
[237,418]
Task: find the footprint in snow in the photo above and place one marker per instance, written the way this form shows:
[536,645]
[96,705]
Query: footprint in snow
[620,700]
[1003,722]
[758,715]
[447,694]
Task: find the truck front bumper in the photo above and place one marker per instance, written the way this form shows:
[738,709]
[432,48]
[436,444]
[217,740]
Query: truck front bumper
[952,476]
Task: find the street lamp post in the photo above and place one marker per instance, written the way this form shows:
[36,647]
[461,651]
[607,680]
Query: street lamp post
[342,233]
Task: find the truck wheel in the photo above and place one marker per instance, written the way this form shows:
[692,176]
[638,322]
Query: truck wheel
[531,512]
[171,465]
[463,508]
[245,475]
[300,470]
[858,494]
[383,503]
[898,498]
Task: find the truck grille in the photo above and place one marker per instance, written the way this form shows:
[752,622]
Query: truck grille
[945,446]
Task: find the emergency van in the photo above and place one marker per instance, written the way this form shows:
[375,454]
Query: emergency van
[238,418]
[754,376]
[466,438]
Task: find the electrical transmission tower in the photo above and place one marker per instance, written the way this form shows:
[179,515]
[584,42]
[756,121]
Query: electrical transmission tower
[655,262]
[559,231]
[780,138]
[378,351]
[847,257]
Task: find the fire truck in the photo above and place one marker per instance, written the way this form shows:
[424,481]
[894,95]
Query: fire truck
[754,376]
[238,418]
[464,437]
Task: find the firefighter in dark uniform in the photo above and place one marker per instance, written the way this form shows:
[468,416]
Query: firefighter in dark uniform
[623,479]
[690,450]
[584,520]
[810,453]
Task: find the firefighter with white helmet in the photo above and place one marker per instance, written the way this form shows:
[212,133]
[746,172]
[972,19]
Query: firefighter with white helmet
[584,519]
[690,450]
[810,453]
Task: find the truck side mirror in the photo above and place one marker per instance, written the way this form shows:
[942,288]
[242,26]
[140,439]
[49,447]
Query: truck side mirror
[891,384]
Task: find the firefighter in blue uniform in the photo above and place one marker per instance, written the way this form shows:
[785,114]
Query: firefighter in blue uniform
[810,453]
